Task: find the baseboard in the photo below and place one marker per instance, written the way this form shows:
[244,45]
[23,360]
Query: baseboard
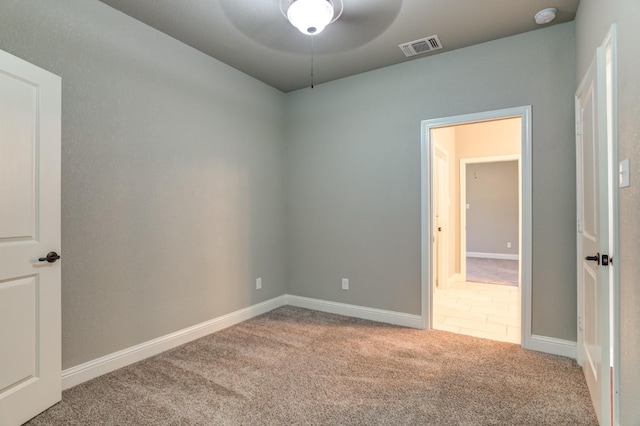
[81,373]
[493,255]
[373,314]
[552,346]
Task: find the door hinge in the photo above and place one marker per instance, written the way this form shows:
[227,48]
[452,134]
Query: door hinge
[580,323]
[578,128]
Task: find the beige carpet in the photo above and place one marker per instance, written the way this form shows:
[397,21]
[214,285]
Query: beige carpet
[298,367]
[492,271]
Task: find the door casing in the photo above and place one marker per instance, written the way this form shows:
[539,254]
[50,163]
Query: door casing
[427,170]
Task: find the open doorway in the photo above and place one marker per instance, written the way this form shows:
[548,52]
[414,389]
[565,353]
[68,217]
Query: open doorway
[478,224]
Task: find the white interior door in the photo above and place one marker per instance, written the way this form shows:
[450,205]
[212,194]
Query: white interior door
[593,238]
[441,210]
[30,358]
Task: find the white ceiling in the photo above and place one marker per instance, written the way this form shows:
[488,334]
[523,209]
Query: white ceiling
[254,37]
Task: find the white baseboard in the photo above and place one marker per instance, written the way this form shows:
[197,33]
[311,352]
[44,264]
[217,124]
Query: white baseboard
[552,346]
[373,314]
[90,370]
[81,373]
[493,255]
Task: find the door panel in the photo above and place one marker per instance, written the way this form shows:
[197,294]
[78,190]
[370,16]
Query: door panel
[18,110]
[20,334]
[30,376]
[592,342]
[593,238]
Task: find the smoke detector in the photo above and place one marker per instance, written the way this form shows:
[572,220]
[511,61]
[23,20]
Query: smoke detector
[546,15]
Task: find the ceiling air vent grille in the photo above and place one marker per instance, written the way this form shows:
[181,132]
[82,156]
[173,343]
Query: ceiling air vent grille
[424,45]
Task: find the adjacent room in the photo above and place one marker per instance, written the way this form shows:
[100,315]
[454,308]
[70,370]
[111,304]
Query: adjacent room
[477,229]
[219,212]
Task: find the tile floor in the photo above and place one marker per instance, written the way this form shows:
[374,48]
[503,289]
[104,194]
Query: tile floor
[477,309]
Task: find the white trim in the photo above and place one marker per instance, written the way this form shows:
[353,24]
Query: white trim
[490,159]
[89,370]
[553,346]
[426,146]
[504,256]
[363,312]
[611,49]
[426,232]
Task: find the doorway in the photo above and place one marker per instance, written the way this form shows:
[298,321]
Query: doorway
[474,147]
[490,231]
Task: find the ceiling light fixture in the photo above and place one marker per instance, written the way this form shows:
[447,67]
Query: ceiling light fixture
[546,15]
[312,16]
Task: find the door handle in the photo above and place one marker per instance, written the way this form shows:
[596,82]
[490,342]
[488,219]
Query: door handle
[595,258]
[52,256]
[439,228]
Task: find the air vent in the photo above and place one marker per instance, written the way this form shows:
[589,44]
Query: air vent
[424,45]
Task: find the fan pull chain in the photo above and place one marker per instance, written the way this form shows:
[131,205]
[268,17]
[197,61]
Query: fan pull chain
[312,48]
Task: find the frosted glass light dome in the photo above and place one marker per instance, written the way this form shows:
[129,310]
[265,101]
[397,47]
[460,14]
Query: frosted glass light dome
[310,16]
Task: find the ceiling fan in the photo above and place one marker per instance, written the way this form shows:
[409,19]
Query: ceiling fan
[311,16]
[353,23]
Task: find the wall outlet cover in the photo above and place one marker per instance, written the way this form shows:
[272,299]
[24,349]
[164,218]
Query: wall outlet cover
[345,284]
[623,173]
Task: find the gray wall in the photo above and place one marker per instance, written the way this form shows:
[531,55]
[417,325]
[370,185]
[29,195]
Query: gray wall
[173,170]
[353,161]
[172,176]
[592,24]
[492,219]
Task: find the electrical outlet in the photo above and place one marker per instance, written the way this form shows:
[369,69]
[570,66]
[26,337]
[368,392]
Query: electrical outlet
[345,283]
[258,283]
[508,245]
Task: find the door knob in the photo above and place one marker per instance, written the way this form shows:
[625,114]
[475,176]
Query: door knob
[595,258]
[52,256]
[439,228]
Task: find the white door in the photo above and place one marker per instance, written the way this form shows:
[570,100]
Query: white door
[593,237]
[30,358]
[441,210]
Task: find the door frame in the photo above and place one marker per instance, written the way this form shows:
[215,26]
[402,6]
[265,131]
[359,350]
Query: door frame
[426,159]
[463,202]
[611,52]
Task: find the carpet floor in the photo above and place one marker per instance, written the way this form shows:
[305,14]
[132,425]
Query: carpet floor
[294,366]
[493,271]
